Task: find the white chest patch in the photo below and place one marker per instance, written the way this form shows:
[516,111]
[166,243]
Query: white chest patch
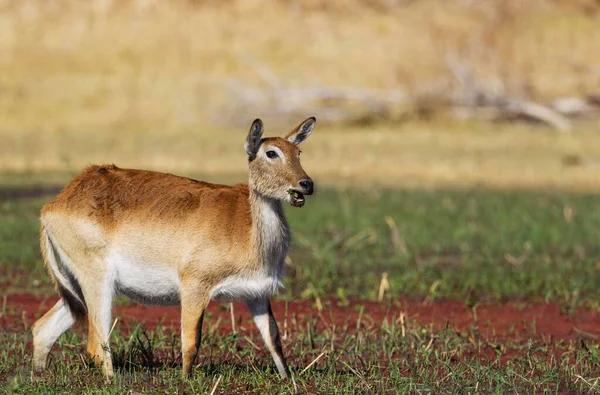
[241,288]
[143,282]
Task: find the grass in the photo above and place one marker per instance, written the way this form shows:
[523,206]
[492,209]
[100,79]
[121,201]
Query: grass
[387,358]
[437,154]
[126,65]
[441,243]
[467,244]
[497,244]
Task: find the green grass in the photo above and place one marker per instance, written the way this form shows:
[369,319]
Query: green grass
[491,243]
[460,244]
[377,359]
[456,244]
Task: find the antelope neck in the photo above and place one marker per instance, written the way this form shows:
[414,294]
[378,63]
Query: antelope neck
[270,231]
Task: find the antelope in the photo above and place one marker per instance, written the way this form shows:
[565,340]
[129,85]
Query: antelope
[162,239]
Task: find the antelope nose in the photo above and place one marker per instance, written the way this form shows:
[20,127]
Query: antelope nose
[307,186]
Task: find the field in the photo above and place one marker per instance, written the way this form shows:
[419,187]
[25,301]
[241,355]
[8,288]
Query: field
[438,255]
[149,65]
[490,291]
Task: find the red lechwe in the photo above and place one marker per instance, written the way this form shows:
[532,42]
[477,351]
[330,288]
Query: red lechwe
[162,239]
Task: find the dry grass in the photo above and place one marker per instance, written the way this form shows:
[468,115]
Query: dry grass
[434,154]
[149,64]
[138,83]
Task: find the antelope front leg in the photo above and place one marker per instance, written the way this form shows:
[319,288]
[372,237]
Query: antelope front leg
[265,321]
[192,315]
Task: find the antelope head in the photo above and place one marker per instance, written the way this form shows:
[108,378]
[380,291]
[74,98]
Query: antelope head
[274,163]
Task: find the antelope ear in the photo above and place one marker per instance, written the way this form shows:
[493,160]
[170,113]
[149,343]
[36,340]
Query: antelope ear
[253,140]
[302,131]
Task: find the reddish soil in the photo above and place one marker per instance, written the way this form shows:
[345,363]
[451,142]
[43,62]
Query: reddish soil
[506,322]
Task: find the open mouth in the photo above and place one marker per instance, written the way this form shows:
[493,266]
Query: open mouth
[296,198]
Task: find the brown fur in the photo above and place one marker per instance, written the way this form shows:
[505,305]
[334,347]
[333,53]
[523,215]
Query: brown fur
[112,197]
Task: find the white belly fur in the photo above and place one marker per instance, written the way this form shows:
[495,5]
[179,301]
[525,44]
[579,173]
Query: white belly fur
[143,282]
[154,284]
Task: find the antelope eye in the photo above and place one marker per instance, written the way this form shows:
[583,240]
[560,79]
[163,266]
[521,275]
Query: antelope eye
[271,154]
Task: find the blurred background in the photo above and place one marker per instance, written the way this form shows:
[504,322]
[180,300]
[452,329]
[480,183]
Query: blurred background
[426,93]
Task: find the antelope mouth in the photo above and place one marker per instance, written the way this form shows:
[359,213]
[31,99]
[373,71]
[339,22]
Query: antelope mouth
[296,198]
